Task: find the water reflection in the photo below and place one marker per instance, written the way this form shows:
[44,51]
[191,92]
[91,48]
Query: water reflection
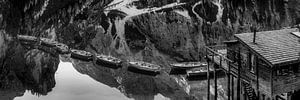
[136,86]
[79,80]
[24,70]
[71,85]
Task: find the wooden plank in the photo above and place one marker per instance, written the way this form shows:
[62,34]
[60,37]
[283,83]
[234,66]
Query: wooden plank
[217,53]
[277,51]
[281,56]
[283,85]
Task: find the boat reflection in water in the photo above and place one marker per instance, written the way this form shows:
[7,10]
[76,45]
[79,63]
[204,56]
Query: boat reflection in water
[80,80]
[134,86]
[73,79]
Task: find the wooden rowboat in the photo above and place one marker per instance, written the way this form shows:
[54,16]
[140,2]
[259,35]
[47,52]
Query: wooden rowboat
[144,67]
[202,71]
[188,65]
[108,60]
[48,42]
[62,48]
[26,38]
[81,55]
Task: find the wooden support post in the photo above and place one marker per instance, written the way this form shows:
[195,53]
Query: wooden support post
[244,95]
[232,88]
[228,80]
[208,80]
[257,82]
[215,81]
[238,92]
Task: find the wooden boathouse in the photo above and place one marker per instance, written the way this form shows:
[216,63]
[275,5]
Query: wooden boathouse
[259,65]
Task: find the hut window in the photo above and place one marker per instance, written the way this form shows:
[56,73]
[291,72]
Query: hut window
[295,68]
[253,63]
[283,71]
[287,70]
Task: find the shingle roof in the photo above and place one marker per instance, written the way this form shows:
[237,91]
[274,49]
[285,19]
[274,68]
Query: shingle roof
[277,46]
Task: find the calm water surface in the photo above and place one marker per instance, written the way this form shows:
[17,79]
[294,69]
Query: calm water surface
[79,80]
[72,85]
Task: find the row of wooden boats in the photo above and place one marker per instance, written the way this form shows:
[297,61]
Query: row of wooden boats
[113,62]
[194,70]
[99,58]
[190,68]
[87,56]
[29,40]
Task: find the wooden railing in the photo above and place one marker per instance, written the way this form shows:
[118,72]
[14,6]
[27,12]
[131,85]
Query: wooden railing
[233,67]
[218,55]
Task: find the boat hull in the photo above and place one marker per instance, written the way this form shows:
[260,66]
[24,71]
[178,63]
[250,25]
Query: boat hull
[48,43]
[62,48]
[28,43]
[81,57]
[27,38]
[142,71]
[188,65]
[108,63]
[177,71]
[203,75]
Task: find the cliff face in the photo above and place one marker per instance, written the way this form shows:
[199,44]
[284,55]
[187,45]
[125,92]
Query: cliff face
[156,31]
[169,32]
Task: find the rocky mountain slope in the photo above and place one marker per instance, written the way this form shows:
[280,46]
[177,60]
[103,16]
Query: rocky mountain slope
[175,30]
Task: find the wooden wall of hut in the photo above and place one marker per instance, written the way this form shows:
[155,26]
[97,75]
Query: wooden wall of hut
[250,75]
[286,79]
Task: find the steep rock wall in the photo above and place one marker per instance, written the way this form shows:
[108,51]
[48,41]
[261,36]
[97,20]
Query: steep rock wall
[177,31]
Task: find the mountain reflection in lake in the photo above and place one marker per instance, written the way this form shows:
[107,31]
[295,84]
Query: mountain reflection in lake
[86,81]
[79,80]
[71,85]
